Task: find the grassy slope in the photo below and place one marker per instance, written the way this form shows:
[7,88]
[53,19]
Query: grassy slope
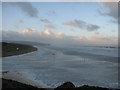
[10,49]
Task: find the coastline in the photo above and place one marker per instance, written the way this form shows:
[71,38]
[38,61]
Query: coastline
[38,85]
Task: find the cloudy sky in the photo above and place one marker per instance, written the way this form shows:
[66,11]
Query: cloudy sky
[80,23]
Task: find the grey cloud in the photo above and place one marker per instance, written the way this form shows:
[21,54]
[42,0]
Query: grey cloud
[114,21]
[97,32]
[113,10]
[45,20]
[18,23]
[92,27]
[50,13]
[82,24]
[27,8]
[21,21]
[50,26]
[12,35]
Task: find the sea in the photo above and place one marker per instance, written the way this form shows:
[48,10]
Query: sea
[53,65]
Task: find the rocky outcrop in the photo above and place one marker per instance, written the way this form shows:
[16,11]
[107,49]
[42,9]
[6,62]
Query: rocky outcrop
[10,84]
[71,86]
[66,85]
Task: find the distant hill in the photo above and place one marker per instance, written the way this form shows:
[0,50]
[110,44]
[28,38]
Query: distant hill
[26,42]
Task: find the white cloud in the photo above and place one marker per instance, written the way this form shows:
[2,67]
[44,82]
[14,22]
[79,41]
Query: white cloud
[59,38]
[28,30]
[60,35]
[46,32]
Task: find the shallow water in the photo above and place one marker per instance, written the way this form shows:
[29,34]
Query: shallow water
[55,65]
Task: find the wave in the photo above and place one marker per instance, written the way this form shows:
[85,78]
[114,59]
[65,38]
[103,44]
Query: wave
[52,69]
[96,50]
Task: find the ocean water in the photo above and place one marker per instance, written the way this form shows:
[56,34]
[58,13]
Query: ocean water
[53,65]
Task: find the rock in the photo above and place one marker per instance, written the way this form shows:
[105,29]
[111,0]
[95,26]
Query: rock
[65,86]
[10,84]
[71,86]
[86,87]
[53,54]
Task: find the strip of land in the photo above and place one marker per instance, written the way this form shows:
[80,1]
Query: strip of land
[11,49]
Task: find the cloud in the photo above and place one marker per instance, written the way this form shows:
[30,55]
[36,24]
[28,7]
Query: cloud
[27,8]
[28,30]
[82,25]
[92,27]
[51,13]
[46,32]
[11,35]
[96,32]
[18,23]
[114,21]
[50,26]
[98,39]
[60,35]
[45,20]
[59,38]
[113,10]
[21,21]
[76,23]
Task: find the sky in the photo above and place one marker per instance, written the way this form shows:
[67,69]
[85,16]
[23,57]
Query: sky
[80,23]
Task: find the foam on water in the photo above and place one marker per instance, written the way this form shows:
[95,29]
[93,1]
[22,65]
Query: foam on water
[51,66]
